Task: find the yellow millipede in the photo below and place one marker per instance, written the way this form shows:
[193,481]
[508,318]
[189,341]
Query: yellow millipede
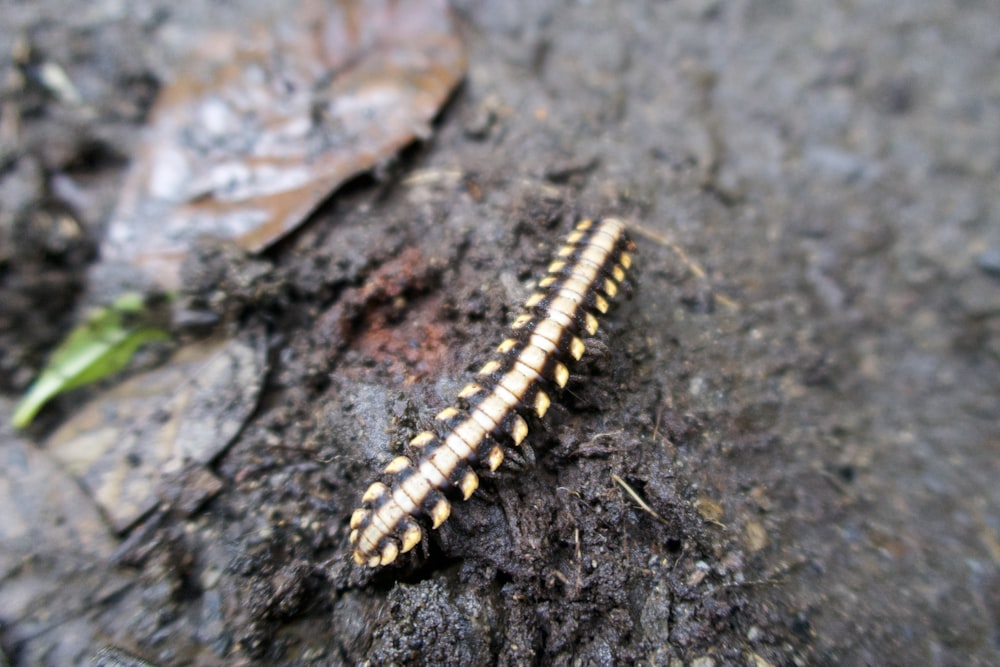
[585,275]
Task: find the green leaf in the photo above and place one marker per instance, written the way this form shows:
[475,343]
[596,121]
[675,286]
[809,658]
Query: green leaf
[101,346]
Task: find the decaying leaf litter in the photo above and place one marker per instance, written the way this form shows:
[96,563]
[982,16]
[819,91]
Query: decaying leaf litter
[269,120]
[795,414]
[258,128]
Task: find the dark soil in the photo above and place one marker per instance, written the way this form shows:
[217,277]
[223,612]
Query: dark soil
[803,387]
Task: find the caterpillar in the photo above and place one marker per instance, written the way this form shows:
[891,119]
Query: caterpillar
[585,274]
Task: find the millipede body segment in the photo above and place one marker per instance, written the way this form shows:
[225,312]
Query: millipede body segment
[489,415]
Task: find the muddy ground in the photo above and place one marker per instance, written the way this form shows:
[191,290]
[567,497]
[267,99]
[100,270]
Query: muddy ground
[803,387]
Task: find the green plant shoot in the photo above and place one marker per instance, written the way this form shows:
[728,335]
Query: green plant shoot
[101,346]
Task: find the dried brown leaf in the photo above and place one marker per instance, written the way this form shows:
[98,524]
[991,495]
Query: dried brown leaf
[262,125]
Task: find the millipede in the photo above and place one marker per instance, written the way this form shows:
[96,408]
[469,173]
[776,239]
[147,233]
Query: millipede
[586,274]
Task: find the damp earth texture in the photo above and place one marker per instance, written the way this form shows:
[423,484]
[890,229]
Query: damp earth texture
[780,447]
